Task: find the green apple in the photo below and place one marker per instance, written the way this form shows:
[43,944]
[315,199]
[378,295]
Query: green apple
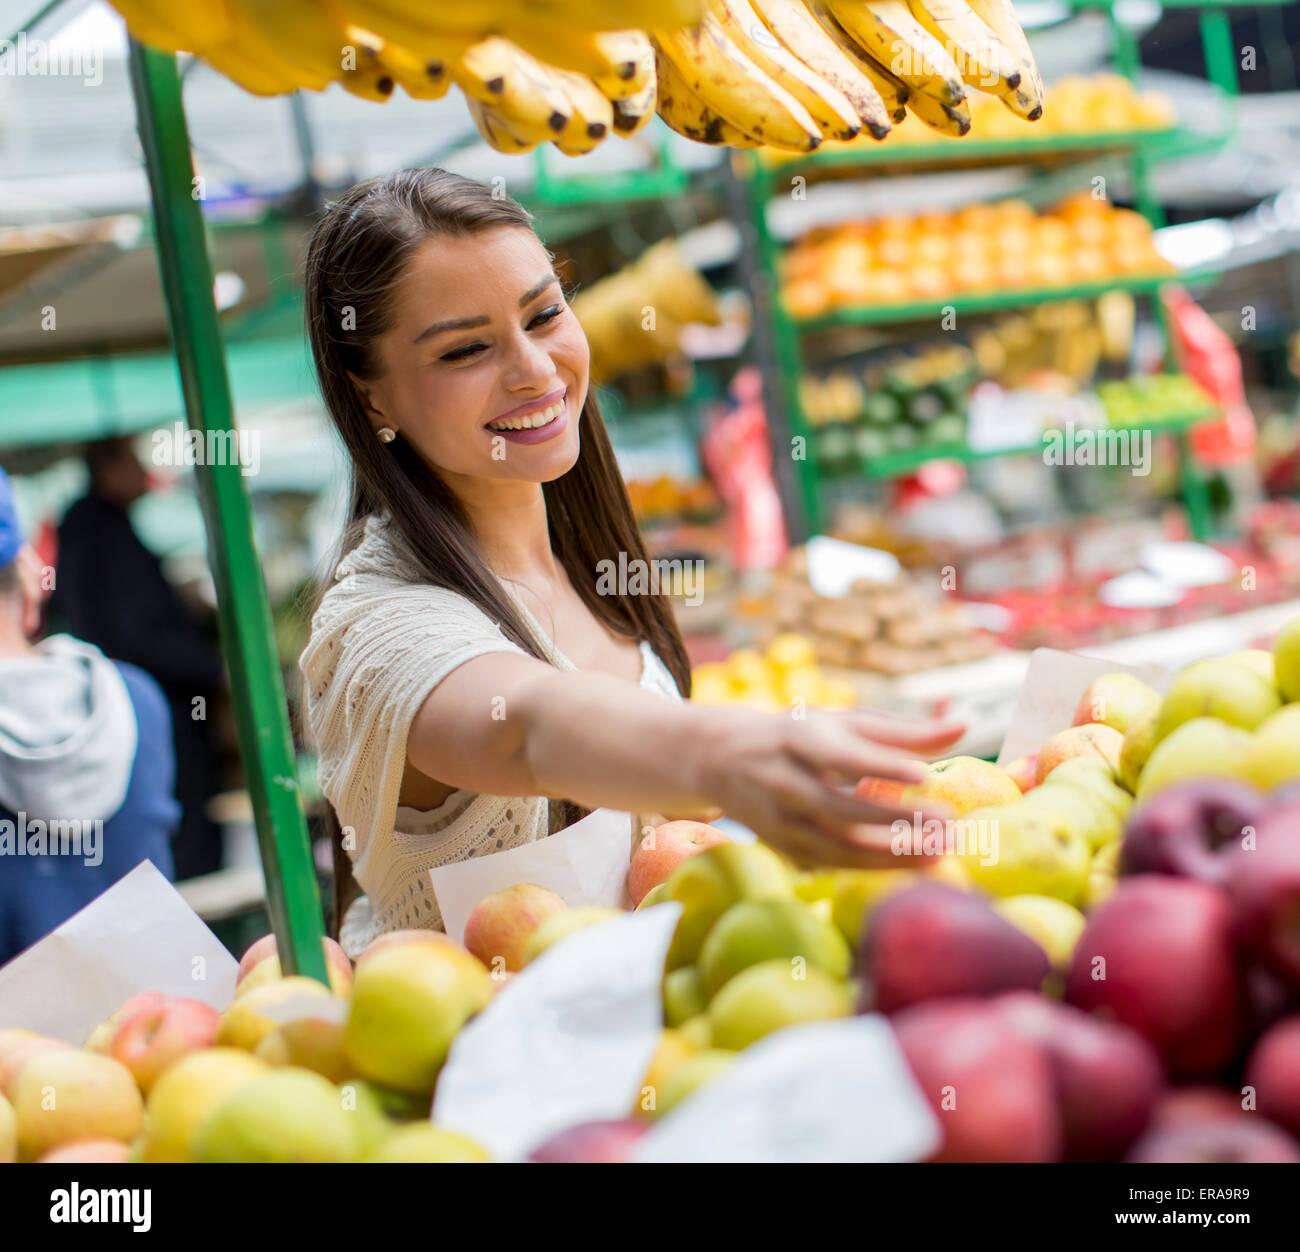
[1258,660]
[1103,875]
[1052,924]
[689,1075]
[285,1116]
[1286,660]
[1139,740]
[1089,814]
[759,930]
[1220,687]
[1036,850]
[1273,755]
[772,995]
[1096,777]
[561,925]
[857,891]
[416,1144]
[697,1031]
[370,1123]
[684,995]
[1204,747]
[652,897]
[1117,700]
[186,1093]
[709,883]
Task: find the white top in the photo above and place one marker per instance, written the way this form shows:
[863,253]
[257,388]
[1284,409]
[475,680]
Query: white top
[382,639]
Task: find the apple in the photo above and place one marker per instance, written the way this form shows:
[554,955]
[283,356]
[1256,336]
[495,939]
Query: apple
[1181,1105]
[933,940]
[420,1144]
[684,995]
[1052,924]
[1107,1077]
[17,1047]
[1135,751]
[769,996]
[710,882]
[308,1043]
[337,964]
[758,930]
[286,1115]
[1095,776]
[1273,1070]
[857,891]
[663,850]
[1269,998]
[1236,1140]
[591,1143]
[1272,757]
[408,1002]
[1116,700]
[1260,661]
[1158,956]
[1286,660]
[66,1095]
[1084,810]
[8,1133]
[87,1152]
[101,1038]
[961,782]
[1023,771]
[1189,829]
[671,1051]
[152,1038]
[499,926]
[244,1025]
[267,971]
[563,924]
[1033,849]
[1094,739]
[990,1087]
[697,1031]
[395,938]
[1103,876]
[187,1093]
[654,896]
[1264,887]
[1204,747]
[1219,687]
[695,1071]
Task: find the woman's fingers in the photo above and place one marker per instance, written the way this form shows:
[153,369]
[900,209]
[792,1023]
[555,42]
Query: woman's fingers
[918,735]
[827,746]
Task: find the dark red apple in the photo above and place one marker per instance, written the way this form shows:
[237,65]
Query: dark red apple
[1190,828]
[1273,1069]
[990,1087]
[1108,1077]
[1236,1140]
[1264,887]
[932,940]
[1268,998]
[1158,956]
[1197,1104]
[592,1143]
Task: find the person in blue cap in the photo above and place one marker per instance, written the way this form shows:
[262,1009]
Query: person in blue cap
[87,769]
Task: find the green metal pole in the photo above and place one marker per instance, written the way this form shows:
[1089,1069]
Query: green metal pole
[258,694]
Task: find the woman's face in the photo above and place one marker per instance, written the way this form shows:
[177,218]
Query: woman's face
[485,366]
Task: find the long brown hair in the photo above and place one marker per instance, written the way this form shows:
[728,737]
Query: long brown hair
[358,255]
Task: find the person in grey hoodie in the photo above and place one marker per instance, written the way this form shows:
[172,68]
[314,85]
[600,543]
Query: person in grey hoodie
[87,769]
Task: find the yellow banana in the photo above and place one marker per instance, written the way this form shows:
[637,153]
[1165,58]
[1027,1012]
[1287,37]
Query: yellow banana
[801,33]
[309,35]
[735,88]
[1000,17]
[494,129]
[596,54]
[828,107]
[635,62]
[947,119]
[517,87]
[633,112]
[892,90]
[579,14]
[418,35]
[974,48]
[421,80]
[592,114]
[683,110]
[887,31]
[175,27]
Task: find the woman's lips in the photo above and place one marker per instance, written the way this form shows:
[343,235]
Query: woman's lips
[538,434]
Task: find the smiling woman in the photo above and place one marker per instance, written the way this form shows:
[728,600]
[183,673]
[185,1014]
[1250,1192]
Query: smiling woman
[450,722]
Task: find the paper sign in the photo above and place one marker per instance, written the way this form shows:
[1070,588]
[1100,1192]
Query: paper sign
[567,1040]
[822,1092]
[585,863]
[139,935]
[834,565]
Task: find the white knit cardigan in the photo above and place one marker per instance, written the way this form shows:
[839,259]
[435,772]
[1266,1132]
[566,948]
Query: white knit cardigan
[381,640]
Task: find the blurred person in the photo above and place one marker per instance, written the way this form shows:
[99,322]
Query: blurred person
[86,762]
[110,590]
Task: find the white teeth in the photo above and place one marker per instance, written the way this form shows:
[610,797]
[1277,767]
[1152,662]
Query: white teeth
[544,418]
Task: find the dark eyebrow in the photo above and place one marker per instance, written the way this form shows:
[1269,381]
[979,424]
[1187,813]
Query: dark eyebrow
[466,323]
[529,296]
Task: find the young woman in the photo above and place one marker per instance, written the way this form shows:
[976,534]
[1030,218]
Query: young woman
[468,688]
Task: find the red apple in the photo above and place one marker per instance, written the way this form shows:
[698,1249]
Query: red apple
[1181,1105]
[1094,739]
[17,1047]
[1264,887]
[989,1086]
[337,964]
[87,1152]
[1108,1077]
[1237,1140]
[1024,772]
[1273,1069]
[152,1038]
[1158,956]
[663,850]
[932,940]
[396,937]
[101,1038]
[592,1143]
[499,926]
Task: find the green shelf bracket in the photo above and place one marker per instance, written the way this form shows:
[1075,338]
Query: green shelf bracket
[261,714]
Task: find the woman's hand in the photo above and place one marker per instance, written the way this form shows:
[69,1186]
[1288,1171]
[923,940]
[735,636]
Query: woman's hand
[783,778]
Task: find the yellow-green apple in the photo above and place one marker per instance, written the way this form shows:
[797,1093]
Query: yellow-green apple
[154,1037]
[654,896]
[949,869]
[416,1144]
[70,1094]
[1159,956]
[1260,661]
[591,1143]
[395,938]
[284,1116]
[499,926]
[8,1133]
[408,1002]
[1032,849]
[1190,828]
[1108,1078]
[371,1124]
[811,885]
[309,1043]
[686,1079]
[1088,813]
[87,1152]
[1096,776]
[17,1047]
[770,996]
[1205,747]
[1136,749]
[1272,758]
[697,1031]
[1232,1139]
[663,850]
[1273,1070]
[1095,739]
[961,782]
[1263,882]
[1286,660]
[933,941]
[260,965]
[187,1093]
[563,924]
[1220,687]
[858,891]
[245,1025]
[709,883]
[1023,771]
[1052,924]
[673,1049]
[1103,875]
[1116,700]
[101,1038]
[684,995]
[751,931]
[1006,1107]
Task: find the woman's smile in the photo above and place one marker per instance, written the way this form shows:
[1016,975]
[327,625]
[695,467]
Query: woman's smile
[534,422]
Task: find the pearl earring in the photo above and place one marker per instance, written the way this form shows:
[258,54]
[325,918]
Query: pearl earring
[386,434]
